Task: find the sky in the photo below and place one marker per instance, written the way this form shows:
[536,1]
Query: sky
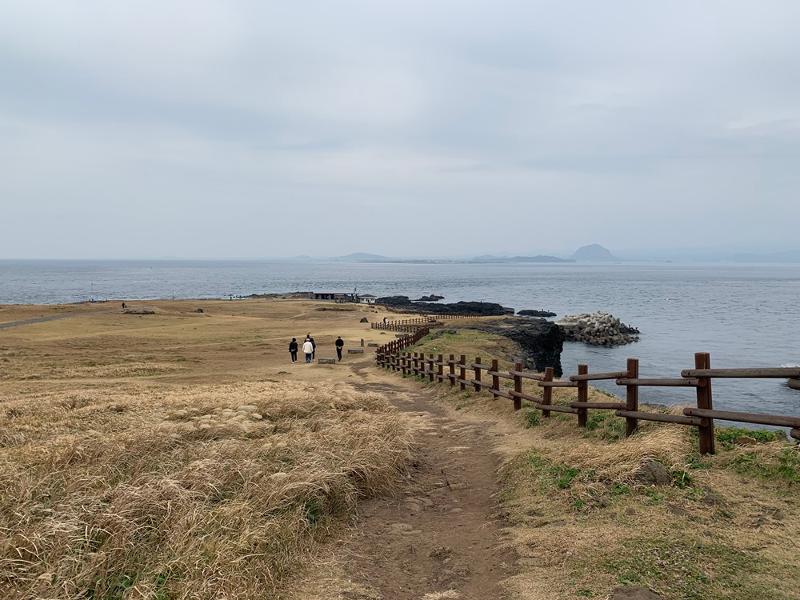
[220,129]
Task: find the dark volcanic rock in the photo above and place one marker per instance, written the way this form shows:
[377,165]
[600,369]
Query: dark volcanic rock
[394,301]
[536,313]
[431,298]
[540,340]
[653,472]
[480,309]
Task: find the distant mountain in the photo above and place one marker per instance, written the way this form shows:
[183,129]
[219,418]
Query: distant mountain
[593,253]
[363,257]
[539,258]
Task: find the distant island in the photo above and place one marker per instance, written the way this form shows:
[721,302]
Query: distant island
[593,253]
[539,258]
[364,257]
[590,253]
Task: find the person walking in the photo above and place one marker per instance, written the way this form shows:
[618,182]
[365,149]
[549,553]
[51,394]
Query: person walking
[308,350]
[314,344]
[339,346]
[293,349]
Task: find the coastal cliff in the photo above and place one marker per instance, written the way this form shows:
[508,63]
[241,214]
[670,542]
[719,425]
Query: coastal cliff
[541,341]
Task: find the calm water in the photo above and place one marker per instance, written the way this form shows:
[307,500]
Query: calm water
[744,315]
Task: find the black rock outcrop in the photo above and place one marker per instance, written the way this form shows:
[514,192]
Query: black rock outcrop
[536,313]
[393,301]
[477,309]
[541,341]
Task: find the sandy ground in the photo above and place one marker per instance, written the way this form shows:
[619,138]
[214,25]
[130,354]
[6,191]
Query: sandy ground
[440,538]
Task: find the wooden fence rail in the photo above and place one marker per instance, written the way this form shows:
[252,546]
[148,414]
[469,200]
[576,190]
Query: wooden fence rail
[411,325]
[393,357]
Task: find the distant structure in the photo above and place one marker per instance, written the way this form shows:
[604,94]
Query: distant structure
[339,297]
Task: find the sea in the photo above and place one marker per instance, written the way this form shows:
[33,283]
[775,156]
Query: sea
[745,315]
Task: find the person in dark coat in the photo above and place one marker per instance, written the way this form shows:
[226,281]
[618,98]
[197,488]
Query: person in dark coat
[293,349]
[339,346]
[314,344]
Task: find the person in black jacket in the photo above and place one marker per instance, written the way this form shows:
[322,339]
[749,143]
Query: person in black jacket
[293,349]
[339,346]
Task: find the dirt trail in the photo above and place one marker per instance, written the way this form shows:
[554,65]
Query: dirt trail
[46,318]
[10,324]
[441,537]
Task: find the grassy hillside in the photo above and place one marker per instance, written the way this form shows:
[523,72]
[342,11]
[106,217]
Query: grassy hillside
[586,515]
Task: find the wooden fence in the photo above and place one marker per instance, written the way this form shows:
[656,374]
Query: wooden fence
[408,325]
[392,356]
[411,325]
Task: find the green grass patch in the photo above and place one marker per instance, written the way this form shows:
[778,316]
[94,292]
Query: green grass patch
[783,466]
[606,425]
[729,437]
[693,569]
[532,418]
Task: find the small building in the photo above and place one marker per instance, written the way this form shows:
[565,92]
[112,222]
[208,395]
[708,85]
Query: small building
[330,296]
[366,299]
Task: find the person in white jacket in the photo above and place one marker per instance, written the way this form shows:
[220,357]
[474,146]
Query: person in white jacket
[308,350]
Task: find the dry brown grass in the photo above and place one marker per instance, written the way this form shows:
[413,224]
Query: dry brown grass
[178,455]
[202,492]
[584,522]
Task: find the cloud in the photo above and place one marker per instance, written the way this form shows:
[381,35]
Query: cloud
[247,128]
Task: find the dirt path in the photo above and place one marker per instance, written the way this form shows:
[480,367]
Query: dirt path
[441,537]
[45,319]
[10,324]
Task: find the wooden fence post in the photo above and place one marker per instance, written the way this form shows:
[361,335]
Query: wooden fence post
[462,372]
[477,383]
[414,365]
[632,397]
[517,386]
[430,368]
[702,360]
[452,369]
[583,396]
[440,370]
[547,392]
[495,378]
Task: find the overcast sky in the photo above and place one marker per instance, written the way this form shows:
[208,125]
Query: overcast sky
[250,129]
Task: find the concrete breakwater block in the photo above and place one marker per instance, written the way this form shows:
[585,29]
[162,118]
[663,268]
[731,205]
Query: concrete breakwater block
[326,361]
[355,351]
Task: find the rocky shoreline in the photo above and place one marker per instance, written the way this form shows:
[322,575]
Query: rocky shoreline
[541,341]
[598,329]
[480,309]
[536,313]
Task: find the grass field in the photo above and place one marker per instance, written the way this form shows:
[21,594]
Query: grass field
[584,519]
[178,455]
